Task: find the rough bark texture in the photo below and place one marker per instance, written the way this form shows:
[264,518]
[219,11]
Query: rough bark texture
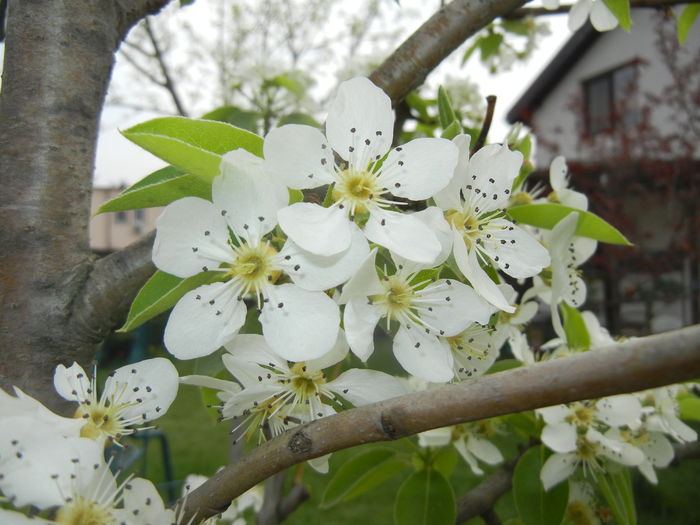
[58,59]
[635,365]
[408,66]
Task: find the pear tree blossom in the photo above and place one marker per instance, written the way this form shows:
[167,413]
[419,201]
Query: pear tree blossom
[231,236]
[359,130]
[471,440]
[474,205]
[425,311]
[600,15]
[277,394]
[132,395]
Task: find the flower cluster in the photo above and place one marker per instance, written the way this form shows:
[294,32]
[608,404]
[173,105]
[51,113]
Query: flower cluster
[57,464]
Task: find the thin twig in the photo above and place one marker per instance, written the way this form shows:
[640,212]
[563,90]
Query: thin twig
[486,126]
[168,81]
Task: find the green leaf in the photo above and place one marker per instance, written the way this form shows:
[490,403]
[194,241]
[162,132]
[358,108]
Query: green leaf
[360,474]
[621,10]
[425,498]
[504,364]
[690,408]
[517,27]
[577,336]
[295,196]
[535,505]
[548,215]
[617,491]
[160,188]
[299,118]
[445,111]
[489,45]
[194,146]
[452,130]
[161,292]
[686,20]
[445,460]
[241,118]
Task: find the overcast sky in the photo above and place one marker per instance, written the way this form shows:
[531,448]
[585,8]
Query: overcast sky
[119,162]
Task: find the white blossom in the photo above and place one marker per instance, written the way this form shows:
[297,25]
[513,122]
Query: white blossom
[359,129]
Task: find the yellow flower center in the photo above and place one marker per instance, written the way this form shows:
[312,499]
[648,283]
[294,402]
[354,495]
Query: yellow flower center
[255,265]
[304,382]
[81,511]
[465,223]
[521,197]
[357,189]
[582,416]
[397,298]
[101,421]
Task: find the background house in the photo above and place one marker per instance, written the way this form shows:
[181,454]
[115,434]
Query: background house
[112,231]
[624,109]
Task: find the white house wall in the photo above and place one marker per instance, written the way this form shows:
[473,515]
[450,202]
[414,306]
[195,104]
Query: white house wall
[556,120]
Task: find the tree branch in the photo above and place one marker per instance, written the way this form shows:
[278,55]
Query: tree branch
[485,495]
[633,365]
[115,279]
[168,81]
[408,66]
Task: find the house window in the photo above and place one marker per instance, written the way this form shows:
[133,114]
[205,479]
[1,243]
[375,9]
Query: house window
[120,217]
[139,215]
[609,104]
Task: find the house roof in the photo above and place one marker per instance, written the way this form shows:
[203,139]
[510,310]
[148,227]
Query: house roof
[567,57]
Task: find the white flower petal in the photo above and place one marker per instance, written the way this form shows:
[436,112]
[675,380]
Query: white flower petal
[71,383]
[360,118]
[420,168]
[362,387]
[423,355]
[151,385]
[515,251]
[450,198]
[658,449]
[560,437]
[617,451]
[437,437]
[143,505]
[211,382]
[556,469]
[619,411]
[578,14]
[190,235]
[298,156]
[246,196]
[454,307]
[360,319]
[484,450]
[319,230]
[404,235]
[365,281]
[492,171]
[334,355]
[480,281]
[320,464]
[298,324]
[555,414]
[322,272]
[434,219]
[9,517]
[601,17]
[461,447]
[197,327]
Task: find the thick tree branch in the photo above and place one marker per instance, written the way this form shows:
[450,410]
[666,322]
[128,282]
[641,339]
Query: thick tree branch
[408,66]
[113,282]
[634,365]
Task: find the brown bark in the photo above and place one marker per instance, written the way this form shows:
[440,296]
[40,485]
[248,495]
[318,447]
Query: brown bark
[58,59]
[631,366]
